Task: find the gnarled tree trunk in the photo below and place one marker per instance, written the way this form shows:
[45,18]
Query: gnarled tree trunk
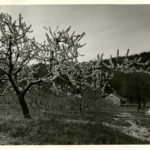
[24,107]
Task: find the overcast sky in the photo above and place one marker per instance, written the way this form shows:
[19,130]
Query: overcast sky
[107,27]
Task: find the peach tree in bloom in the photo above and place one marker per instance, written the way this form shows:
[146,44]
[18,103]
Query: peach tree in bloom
[19,50]
[89,78]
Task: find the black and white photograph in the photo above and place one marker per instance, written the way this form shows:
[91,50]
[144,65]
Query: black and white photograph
[75,74]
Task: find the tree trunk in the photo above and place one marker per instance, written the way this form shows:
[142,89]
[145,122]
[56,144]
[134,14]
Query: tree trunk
[139,104]
[144,104]
[81,106]
[24,107]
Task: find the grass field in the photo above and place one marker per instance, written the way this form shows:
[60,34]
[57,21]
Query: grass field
[60,124]
[55,130]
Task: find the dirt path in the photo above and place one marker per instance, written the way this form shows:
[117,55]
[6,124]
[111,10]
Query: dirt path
[79,121]
[133,130]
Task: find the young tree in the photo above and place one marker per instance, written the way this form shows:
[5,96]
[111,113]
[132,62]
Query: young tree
[18,51]
[87,80]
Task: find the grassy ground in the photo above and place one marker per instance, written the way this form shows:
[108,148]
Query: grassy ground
[56,131]
[50,126]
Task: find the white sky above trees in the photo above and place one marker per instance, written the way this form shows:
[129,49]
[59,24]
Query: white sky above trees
[107,27]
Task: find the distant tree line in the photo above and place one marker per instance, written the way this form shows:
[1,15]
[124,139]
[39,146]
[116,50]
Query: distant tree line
[135,86]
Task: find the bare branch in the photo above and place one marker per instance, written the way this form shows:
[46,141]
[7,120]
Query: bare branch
[5,91]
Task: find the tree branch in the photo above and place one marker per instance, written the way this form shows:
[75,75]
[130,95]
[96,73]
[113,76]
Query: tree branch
[13,84]
[3,71]
[10,57]
[30,84]
[5,90]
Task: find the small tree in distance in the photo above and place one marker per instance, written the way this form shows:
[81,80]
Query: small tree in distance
[18,52]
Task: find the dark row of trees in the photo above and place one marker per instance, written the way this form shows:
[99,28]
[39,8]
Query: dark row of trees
[135,86]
